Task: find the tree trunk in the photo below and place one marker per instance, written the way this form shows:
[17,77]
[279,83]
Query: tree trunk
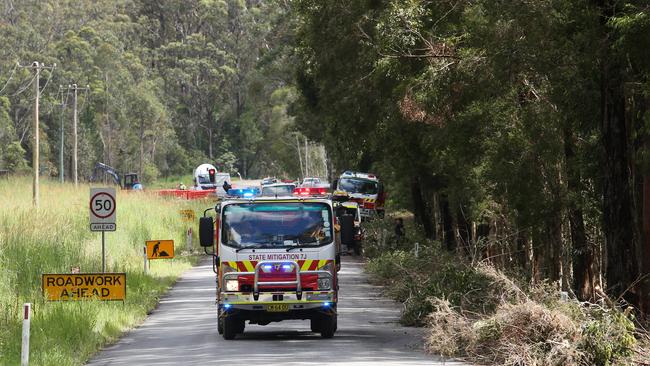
[141,163]
[618,213]
[583,252]
[522,250]
[447,224]
[464,229]
[645,253]
[554,259]
[422,213]
[210,143]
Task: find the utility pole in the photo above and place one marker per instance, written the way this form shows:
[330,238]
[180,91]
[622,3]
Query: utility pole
[61,170]
[36,66]
[36,148]
[306,158]
[299,155]
[75,143]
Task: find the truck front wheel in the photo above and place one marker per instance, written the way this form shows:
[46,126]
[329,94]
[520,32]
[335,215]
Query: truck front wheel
[231,326]
[328,326]
[316,324]
[220,325]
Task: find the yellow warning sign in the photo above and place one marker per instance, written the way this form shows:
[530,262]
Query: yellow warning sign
[160,249]
[187,215]
[84,286]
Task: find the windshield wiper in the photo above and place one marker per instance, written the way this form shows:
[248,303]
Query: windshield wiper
[303,245]
[257,246]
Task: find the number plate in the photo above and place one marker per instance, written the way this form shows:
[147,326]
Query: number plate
[277,308]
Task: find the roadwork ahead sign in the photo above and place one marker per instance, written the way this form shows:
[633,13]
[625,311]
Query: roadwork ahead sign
[84,286]
[160,249]
[102,209]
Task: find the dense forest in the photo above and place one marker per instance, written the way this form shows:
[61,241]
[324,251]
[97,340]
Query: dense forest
[515,131]
[170,85]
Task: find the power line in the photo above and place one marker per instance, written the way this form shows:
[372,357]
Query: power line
[85,97]
[22,89]
[48,80]
[10,76]
[52,105]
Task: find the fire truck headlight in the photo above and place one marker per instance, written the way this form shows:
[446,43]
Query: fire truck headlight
[232,285]
[329,267]
[324,284]
[324,281]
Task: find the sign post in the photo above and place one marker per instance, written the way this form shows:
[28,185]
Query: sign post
[102,214]
[24,350]
[189,240]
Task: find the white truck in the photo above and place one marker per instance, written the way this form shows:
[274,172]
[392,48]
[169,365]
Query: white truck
[206,177]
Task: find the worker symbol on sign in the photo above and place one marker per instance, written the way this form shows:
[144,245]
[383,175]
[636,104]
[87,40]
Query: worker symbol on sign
[160,249]
[157,252]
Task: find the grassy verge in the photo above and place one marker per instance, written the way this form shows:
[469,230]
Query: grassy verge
[482,315]
[56,238]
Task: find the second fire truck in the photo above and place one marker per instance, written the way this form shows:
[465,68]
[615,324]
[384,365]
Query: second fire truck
[364,188]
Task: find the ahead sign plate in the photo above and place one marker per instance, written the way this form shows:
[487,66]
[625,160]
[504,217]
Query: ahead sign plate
[102,209]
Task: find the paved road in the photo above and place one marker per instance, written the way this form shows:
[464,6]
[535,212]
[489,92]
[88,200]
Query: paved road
[182,331]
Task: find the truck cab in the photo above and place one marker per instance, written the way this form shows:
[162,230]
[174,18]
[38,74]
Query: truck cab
[275,259]
[364,188]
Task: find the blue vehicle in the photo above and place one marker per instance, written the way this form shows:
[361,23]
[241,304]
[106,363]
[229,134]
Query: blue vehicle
[247,192]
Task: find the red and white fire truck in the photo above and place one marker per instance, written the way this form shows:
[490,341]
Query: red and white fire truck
[275,259]
[364,188]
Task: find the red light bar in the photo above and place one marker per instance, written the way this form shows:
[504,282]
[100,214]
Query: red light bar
[310,191]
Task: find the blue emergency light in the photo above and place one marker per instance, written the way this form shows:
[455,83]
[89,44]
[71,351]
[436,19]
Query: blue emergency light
[248,192]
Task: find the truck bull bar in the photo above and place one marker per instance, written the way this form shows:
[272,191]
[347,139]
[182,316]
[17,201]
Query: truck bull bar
[296,270]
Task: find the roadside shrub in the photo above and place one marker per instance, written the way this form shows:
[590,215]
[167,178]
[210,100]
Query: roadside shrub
[607,336]
[481,314]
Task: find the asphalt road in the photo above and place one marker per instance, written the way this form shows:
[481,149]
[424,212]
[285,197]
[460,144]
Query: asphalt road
[182,331]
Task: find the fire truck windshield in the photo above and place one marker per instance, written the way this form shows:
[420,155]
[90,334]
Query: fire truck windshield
[204,179]
[276,225]
[358,185]
[279,190]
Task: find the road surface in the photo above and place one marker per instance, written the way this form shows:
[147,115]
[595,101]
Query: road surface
[182,331]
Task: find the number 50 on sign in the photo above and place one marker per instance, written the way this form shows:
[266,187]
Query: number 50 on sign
[102,209]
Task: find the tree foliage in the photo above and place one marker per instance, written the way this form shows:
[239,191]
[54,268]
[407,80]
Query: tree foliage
[170,84]
[517,127]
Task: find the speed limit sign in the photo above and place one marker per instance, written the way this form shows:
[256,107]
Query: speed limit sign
[102,209]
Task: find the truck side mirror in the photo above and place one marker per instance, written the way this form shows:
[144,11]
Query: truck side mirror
[206,231]
[347,229]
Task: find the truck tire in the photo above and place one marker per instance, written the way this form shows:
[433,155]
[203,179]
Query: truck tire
[241,324]
[219,322]
[231,326]
[328,326]
[316,324]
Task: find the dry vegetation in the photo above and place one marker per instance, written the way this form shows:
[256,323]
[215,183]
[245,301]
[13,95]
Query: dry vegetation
[477,313]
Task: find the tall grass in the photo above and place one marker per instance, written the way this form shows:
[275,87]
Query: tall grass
[57,237]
